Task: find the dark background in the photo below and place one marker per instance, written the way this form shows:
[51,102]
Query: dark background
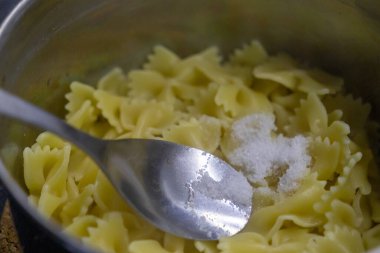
[6,6]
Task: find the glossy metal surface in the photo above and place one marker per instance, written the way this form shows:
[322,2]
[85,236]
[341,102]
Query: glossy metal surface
[161,180]
[46,44]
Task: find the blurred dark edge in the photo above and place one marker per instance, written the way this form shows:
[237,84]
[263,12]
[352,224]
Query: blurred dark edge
[33,239]
[5,8]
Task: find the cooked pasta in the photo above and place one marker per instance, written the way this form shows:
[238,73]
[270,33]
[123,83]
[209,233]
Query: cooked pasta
[197,101]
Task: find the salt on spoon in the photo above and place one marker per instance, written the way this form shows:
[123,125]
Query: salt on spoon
[155,177]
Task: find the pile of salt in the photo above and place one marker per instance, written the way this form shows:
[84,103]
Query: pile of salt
[262,156]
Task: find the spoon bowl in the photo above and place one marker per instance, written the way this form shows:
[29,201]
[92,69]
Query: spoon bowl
[181,190]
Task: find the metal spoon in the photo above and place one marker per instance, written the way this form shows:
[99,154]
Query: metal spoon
[182,190]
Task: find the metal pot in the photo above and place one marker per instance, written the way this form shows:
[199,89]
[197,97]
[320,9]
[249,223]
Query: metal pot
[46,44]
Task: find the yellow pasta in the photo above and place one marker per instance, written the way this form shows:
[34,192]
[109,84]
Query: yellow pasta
[114,82]
[250,55]
[203,133]
[196,101]
[117,239]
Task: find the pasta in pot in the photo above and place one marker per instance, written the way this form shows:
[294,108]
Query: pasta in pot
[196,101]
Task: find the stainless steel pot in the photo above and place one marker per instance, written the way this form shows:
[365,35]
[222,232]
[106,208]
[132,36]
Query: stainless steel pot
[46,44]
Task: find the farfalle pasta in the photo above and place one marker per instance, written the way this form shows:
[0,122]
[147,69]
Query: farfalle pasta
[197,101]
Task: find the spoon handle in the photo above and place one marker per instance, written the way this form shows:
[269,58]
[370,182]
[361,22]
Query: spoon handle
[19,109]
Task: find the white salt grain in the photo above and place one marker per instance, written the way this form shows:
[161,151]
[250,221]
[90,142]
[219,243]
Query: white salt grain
[262,156]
